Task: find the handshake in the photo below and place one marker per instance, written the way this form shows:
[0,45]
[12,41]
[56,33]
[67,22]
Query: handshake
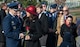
[22,36]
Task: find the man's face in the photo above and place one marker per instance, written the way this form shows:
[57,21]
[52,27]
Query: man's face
[14,11]
[44,7]
[65,11]
[38,10]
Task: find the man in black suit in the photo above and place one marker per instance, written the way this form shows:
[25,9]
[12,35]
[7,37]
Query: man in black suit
[2,15]
[44,23]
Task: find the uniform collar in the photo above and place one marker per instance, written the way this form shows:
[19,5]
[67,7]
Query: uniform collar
[43,11]
[11,14]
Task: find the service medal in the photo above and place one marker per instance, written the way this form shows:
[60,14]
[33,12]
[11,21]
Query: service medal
[12,22]
[14,27]
[33,21]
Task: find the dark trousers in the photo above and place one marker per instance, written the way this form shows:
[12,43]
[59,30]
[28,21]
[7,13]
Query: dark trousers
[2,44]
[51,40]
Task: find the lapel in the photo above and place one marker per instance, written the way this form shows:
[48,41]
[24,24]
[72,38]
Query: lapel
[41,16]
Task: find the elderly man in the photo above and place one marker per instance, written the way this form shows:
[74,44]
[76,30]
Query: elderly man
[65,14]
[12,26]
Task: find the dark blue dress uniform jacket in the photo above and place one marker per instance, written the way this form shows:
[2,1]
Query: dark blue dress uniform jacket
[11,27]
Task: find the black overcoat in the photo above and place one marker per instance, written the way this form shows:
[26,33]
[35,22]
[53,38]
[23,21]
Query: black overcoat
[70,30]
[34,33]
[2,15]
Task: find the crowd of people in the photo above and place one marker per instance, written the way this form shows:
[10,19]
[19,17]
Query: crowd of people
[35,26]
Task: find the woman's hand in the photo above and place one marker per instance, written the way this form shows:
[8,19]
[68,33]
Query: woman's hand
[27,37]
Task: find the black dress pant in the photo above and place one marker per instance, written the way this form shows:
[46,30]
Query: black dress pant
[2,44]
[51,40]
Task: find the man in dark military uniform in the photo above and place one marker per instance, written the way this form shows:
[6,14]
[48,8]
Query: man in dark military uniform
[2,15]
[11,26]
[52,18]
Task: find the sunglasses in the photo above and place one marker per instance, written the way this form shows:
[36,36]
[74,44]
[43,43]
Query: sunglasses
[15,10]
[60,13]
